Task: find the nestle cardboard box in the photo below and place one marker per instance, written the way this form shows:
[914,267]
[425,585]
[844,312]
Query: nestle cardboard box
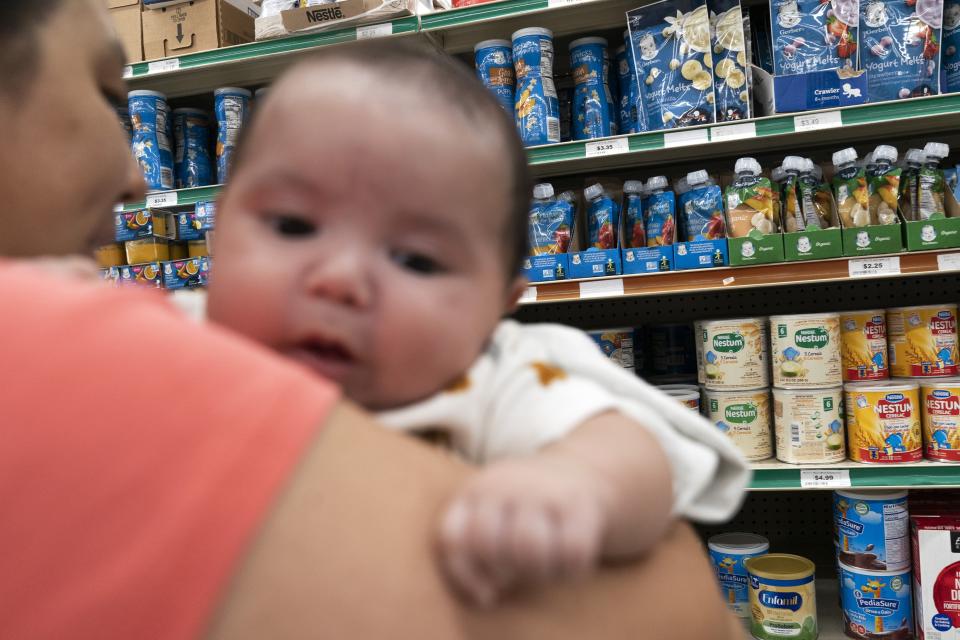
[198,25]
[126,20]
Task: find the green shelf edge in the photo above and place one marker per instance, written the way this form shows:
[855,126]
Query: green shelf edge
[184,197]
[479,13]
[870,476]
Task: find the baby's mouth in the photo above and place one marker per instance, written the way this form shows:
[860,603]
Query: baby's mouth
[329,358]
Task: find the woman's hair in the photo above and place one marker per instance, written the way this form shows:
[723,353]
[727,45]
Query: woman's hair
[19,53]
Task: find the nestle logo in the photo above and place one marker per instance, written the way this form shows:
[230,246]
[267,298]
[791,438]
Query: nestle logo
[325,14]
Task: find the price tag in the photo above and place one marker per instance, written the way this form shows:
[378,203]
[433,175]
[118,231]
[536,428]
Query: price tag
[554,4]
[610,147]
[162,66]
[816,121]
[734,132]
[127,72]
[530,295]
[869,267]
[822,478]
[374,31]
[948,261]
[685,138]
[601,288]
[118,208]
[160,200]
[728,281]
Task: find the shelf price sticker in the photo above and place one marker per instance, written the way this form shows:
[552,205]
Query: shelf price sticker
[127,72]
[530,295]
[160,200]
[610,147]
[824,479]
[601,288]
[374,31]
[556,4]
[948,262]
[162,66]
[733,132]
[869,267]
[685,138]
[817,121]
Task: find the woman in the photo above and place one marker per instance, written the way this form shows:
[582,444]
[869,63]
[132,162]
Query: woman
[174,482]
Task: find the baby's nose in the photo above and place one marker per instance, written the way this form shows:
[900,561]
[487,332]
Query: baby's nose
[341,277]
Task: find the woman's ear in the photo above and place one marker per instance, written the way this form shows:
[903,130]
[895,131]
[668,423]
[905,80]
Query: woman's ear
[514,291]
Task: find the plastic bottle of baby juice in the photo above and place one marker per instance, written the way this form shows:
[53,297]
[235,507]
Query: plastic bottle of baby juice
[603,216]
[884,185]
[777,176]
[702,209]
[931,184]
[910,183]
[815,197]
[792,212]
[633,210]
[660,209]
[750,201]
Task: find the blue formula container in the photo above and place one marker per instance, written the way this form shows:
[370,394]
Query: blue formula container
[593,114]
[871,529]
[627,115]
[876,604]
[536,108]
[728,551]
[191,133]
[152,131]
[494,64]
[231,106]
[124,114]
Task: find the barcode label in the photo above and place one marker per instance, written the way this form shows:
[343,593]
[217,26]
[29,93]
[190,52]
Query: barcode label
[867,267]
[734,131]
[609,147]
[822,479]
[374,31]
[161,66]
[948,261]
[553,129]
[795,434]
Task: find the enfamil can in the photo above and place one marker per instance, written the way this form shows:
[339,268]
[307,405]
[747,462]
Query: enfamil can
[941,419]
[876,604]
[923,341]
[883,422]
[728,552]
[783,602]
[863,339]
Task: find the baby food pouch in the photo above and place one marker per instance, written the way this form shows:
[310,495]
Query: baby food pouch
[494,64]
[814,35]
[931,189]
[702,209]
[628,119]
[815,201]
[950,56]
[900,44]
[671,48]
[884,186]
[535,105]
[191,132]
[750,201]
[152,133]
[910,183]
[660,213]
[593,115]
[551,222]
[731,70]
[603,218]
[850,189]
[633,211]
[793,219]
[232,107]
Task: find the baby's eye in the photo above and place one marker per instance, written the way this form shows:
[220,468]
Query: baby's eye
[417,262]
[292,226]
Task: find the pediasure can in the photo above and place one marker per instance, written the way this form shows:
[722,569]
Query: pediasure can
[593,115]
[871,529]
[672,351]
[728,552]
[494,63]
[152,134]
[783,601]
[536,107]
[616,344]
[863,336]
[883,421]
[733,354]
[231,105]
[876,604]
[806,351]
[941,419]
[808,425]
[923,341]
[745,417]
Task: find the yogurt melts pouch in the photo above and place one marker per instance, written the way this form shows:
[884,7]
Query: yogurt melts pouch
[900,44]
[671,48]
[950,59]
[731,75]
[810,35]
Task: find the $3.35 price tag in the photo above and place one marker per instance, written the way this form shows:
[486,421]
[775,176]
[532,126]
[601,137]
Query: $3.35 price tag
[609,147]
[817,121]
[866,267]
[822,478]
[165,199]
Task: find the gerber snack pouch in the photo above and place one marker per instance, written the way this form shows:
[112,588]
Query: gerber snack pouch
[950,55]
[633,213]
[671,49]
[603,218]
[731,70]
[702,209]
[900,43]
[750,201]
[628,120]
[931,185]
[493,60]
[536,107]
[551,222]
[790,198]
[814,35]
[660,213]
[884,186]
[814,198]
[850,189]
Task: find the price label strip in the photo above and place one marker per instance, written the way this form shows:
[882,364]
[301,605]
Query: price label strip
[948,262]
[734,132]
[823,479]
[872,267]
[162,66]
[160,200]
[374,31]
[530,295]
[817,121]
[685,138]
[601,288]
[127,72]
[555,4]
[610,147]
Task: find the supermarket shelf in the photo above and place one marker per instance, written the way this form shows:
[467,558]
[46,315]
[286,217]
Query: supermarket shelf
[917,116]
[177,198]
[245,64]
[779,476]
[722,278]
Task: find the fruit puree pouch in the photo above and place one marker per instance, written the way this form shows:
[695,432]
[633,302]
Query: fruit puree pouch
[850,189]
[750,202]
[702,209]
[931,186]
[551,222]
[900,47]
[603,218]
[884,186]
[593,108]
[731,76]
[813,35]
[671,48]
[660,214]
[633,213]
[950,55]
[910,184]
[814,199]
[790,195]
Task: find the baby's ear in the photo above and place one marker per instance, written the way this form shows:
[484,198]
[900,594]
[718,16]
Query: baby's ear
[516,288]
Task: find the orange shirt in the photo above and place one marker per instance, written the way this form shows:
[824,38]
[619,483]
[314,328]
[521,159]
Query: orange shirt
[139,452]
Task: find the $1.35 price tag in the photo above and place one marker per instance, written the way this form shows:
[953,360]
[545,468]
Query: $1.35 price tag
[609,147]
[816,121]
[822,478]
[867,267]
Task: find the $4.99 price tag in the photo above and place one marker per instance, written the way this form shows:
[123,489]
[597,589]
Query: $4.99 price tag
[609,147]
[821,478]
[866,267]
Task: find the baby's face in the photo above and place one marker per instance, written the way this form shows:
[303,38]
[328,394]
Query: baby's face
[362,236]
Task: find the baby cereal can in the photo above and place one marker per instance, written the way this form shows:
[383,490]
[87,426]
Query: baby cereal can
[923,341]
[808,424]
[728,552]
[783,601]
[536,107]
[863,339]
[494,63]
[616,344]
[745,417]
[592,101]
[876,604]
[806,351]
[883,422]
[672,352]
[191,132]
[941,419]
[734,354]
[871,529]
[231,106]
[687,395]
[152,129]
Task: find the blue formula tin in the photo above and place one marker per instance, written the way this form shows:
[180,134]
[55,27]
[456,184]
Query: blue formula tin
[191,134]
[152,131]
[728,552]
[593,115]
[124,114]
[876,604]
[871,529]
[231,106]
[494,63]
[536,108]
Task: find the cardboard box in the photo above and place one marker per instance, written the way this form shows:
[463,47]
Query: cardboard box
[198,25]
[935,233]
[547,268]
[700,254]
[336,15]
[141,274]
[756,248]
[808,91]
[142,223]
[595,263]
[815,244]
[126,20]
[647,260]
[936,574]
[184,274]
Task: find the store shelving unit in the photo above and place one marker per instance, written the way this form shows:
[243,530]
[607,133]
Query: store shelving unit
[779,476]
[177,198]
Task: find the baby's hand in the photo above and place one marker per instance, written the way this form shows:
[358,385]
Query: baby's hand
[522,523]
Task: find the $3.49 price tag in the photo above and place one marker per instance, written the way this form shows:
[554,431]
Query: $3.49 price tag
[867,267]
[609,147]
[822,478]
[817,121]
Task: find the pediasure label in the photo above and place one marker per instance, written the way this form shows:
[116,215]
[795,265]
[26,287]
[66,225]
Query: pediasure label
[883,423]
[745,418]
[875,603]
[941,420]
[806,351]
[923,341]
[732,576]
[863,337]
[732,354]
[872,534]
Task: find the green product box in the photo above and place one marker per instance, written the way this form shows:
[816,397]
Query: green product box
[936,233]
[756,248]
[872,240]
[815,244]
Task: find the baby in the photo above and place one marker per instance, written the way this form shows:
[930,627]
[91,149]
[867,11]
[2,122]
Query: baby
[373,231]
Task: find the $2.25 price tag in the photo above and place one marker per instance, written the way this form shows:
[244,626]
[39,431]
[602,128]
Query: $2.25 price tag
[609,147]
[821,478]
[866,267]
